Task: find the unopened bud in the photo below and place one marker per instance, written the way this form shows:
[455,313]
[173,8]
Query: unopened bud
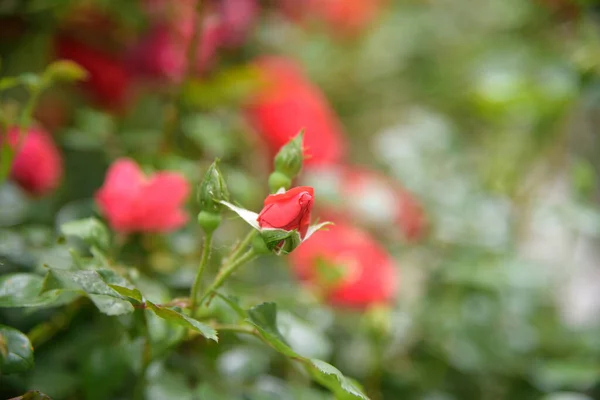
[277,180]
[288,160]
[213,190]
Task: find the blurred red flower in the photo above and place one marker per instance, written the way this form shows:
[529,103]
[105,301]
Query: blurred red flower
[288,211]
[289,102]
[108,81]
[347,17]
[348,265]
[133,202]
[37,167]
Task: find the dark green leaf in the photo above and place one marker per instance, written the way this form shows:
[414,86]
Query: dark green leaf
[184,320]
[19,352]
[264,319]
[92,231]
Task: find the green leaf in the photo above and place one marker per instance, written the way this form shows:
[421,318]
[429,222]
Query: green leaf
[274,237]
[127,292]
[264,319]
[23,290]
[234,303]
[330,377]
[183,320]
[9,82]
[19,352]
[6,158]
[91,282]
[90,230]
[65,70]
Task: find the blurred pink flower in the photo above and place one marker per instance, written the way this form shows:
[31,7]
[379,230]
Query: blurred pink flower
[237,18]
[163,51]
[289,102]
[348,266]
[37,167]
[133,202]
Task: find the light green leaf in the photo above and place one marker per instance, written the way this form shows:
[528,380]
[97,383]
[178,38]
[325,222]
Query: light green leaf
[264,319]
[65,70]
[181,319]
[329,376]
[19,352]
[127,292]
[9,82]
[90,230]
[23,290]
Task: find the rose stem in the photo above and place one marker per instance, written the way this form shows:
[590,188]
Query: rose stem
[201,267]
[226,271]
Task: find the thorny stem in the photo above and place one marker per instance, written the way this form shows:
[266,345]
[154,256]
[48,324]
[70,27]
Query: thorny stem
[226,271]
[198,281]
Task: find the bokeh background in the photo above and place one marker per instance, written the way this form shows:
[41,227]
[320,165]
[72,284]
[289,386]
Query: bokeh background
[459,135]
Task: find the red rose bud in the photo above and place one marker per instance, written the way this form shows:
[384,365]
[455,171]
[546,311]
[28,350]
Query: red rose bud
[37,167]
[287,103]
[348,266]
[213,190]
[288,211]
[107,81]
[133,202]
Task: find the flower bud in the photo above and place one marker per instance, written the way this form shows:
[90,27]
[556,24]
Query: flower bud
[288,160]
[212,190]
[209,221]
[277,180]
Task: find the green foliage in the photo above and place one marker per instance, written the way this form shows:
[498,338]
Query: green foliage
[92,231]
[16,352]
[264,319]
[183,320]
